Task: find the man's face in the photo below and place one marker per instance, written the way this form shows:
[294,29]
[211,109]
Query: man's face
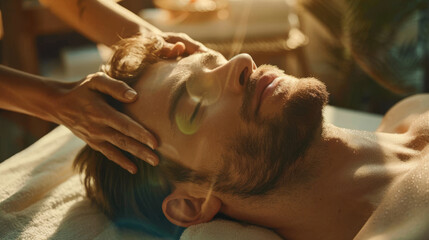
[242,124]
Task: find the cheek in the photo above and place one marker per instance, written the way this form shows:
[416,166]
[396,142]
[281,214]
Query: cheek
[201,154]
[204,148]
[226,112]
[223,120]
[206,153]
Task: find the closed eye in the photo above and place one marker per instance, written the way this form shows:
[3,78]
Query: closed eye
[195,112]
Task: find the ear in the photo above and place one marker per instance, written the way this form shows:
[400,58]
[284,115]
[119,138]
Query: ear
[184,210]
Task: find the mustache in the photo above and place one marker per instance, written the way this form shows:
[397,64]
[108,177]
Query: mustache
[245,111]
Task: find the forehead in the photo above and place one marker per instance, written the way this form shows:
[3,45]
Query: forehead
[159,76]
[167,73]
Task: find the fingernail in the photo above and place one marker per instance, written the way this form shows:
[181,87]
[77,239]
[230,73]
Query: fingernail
[152,161]
[130,94]
[132,170]
[152,145]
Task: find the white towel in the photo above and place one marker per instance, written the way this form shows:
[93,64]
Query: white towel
[228,230]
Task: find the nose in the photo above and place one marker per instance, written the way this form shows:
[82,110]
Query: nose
[237,71]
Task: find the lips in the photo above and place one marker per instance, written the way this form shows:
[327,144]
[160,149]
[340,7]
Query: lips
[262,85]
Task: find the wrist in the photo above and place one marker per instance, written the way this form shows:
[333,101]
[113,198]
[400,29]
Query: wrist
[55,91]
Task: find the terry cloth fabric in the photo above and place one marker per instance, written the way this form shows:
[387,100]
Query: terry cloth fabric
[228,230]
[42,198]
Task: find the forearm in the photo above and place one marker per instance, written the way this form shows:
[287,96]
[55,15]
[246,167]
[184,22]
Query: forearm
[103,21]
[26,93]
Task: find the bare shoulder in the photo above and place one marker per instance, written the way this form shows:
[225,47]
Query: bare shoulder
[404,211]
[403,115]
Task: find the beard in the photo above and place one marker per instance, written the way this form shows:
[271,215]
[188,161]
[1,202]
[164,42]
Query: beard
[267,151]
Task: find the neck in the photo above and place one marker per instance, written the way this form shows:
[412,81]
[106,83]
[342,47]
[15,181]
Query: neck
[348,172]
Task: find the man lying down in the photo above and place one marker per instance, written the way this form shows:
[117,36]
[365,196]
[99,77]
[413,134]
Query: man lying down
[249,143]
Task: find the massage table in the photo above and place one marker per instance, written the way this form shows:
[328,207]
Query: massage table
[41,197]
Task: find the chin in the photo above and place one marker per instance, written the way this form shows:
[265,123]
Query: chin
[303,98]
[301,117]
[305,103]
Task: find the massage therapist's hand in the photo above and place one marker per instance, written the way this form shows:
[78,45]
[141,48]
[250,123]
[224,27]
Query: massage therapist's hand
[177,44]
[83,109]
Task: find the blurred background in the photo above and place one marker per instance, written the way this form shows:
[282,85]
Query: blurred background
[370,54]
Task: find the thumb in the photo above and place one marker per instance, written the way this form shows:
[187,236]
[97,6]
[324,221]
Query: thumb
[172,50]
[117,89]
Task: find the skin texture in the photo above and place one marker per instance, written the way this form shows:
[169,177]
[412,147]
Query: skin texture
[234,113]
[340,188]
[403,213]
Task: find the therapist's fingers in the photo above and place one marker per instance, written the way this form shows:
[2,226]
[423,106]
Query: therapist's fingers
[172,50]
[119,90]
[131,145]
[191,46]
[124,124]
[113,154]
[130,136]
